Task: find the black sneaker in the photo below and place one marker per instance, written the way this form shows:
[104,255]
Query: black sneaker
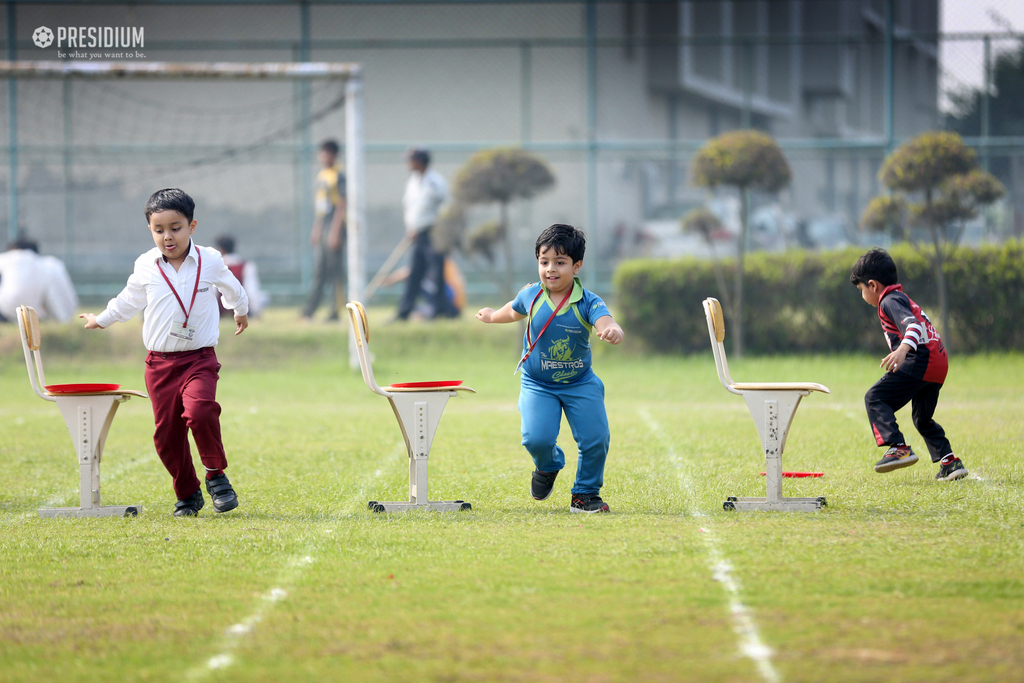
[951,471]
[895,458]
[541,484]
[221,493]
[584,502]
[190,506]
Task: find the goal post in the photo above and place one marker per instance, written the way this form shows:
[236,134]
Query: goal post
[354,146]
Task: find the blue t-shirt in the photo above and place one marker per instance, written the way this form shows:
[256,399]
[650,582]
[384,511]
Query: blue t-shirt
[562,355]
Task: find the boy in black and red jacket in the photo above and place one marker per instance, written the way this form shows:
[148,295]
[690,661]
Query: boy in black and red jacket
[915,370]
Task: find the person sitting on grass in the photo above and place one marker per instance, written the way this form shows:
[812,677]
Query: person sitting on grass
[175,283]
[914,370]
[558,377]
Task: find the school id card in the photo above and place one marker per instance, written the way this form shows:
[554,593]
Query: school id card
[182,330]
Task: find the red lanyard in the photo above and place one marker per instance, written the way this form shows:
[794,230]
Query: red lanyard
[199,269]
[529,322]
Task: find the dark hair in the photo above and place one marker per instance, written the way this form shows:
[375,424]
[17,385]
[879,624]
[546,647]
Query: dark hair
[564,239]
[420,156]
[23,242]
[330,145]
[875,265]
[226,243]
[171,199]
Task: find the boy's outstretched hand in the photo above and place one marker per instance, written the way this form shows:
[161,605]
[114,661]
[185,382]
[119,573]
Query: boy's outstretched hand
[505,314]
[90,321]
[612,334]
[609,330]
[241,322]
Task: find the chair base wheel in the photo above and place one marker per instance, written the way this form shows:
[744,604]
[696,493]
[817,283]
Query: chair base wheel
[99,511]
[780,505]
[438,505]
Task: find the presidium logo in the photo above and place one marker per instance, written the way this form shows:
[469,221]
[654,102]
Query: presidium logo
[42,37]
[91,36]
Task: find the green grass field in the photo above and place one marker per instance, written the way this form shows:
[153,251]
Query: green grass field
[899,579]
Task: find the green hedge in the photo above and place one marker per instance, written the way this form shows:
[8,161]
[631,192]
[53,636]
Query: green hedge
[801,301]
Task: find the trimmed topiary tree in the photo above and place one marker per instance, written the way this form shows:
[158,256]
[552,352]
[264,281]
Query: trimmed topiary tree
[747,160]
[939,169]
[501,175]
[885,214]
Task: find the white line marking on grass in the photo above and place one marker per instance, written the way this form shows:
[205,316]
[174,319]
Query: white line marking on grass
[235,634]
[750,643]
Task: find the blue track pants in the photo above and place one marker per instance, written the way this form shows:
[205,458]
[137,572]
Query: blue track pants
[541,407]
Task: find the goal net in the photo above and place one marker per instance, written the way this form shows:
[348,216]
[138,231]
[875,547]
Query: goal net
[90,141]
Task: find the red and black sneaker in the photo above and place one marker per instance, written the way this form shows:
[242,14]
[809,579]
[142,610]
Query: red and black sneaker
[584,502]
[895,458]
[951,468]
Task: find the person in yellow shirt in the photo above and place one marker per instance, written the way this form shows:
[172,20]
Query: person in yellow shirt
[328,234]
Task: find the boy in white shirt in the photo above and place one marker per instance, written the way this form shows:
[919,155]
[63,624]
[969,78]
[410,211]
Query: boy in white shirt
[176,282]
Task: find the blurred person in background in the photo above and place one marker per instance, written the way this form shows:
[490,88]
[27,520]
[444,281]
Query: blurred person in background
[425,192]
[29,279]
[247,273]
[328,234]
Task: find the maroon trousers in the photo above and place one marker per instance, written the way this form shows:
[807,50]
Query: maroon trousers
[183,390]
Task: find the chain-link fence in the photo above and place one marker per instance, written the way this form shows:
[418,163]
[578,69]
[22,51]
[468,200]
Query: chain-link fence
[616,97]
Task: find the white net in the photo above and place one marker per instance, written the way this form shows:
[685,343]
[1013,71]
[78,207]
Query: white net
[92,149]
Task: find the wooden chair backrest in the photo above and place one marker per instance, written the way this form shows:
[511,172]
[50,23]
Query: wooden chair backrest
[361,311]
[30,319]
[717,319]
[31,340]
[361,330]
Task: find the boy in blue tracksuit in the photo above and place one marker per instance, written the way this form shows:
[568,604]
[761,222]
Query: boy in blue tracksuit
[556,367]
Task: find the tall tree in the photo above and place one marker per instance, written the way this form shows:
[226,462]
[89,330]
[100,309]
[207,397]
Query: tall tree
[942,172]
[747,160]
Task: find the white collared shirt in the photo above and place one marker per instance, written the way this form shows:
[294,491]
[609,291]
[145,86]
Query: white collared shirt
[42,282]
[147,289]
[424,195]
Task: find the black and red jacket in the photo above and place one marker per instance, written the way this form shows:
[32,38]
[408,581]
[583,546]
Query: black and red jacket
[904,321]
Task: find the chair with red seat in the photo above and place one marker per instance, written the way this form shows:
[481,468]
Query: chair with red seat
[418,407]
[88,411]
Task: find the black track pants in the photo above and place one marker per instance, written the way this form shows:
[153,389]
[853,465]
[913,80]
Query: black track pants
[894,391]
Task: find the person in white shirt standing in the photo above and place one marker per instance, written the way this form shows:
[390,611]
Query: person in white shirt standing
[425,193]
[42,282]
[176,283]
